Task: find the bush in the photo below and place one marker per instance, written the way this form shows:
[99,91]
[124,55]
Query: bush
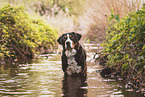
[22,34]
[124,47]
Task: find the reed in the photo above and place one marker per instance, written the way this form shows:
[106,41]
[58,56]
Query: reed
[62,22]
[94,20]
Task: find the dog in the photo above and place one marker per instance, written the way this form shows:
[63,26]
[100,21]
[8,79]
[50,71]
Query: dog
[73,55]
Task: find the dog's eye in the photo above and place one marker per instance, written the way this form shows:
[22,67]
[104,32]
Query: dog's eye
[65,36]
[71,36]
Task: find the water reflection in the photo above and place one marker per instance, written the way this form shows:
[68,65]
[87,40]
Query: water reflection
[31,80]
[44,78]
[11,80]
[74,86]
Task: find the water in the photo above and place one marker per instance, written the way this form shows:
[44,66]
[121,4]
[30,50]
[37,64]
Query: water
[43,77]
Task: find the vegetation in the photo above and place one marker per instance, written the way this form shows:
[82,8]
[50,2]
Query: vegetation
[124,48]
[21,35]
[94,20]
[61,14]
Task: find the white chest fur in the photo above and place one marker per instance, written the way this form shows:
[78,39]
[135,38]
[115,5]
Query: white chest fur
[72,64]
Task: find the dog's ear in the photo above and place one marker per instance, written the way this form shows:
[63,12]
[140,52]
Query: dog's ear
[59,40]
[78,35]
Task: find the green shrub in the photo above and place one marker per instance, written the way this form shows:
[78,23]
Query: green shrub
[124,48]
[22,34]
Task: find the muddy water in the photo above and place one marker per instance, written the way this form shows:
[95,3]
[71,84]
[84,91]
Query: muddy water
[43,77]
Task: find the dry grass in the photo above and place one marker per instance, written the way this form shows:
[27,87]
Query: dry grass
[94,20]
[62,22]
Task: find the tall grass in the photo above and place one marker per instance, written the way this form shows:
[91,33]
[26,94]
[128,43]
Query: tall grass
[62,22]
[94,20]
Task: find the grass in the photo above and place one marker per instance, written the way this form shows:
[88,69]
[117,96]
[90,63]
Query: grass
[94,20]
[62,22]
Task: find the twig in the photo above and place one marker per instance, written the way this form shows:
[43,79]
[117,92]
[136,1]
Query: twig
[18,50]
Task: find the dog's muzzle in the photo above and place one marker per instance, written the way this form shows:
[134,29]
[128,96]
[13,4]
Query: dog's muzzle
[68,46]
[68,43]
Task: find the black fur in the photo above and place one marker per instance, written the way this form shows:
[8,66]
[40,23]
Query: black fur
[80,56]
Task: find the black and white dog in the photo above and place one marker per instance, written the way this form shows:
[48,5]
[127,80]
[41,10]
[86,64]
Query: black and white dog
[73,55]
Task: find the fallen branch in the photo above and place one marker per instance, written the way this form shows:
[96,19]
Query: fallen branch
[18,50]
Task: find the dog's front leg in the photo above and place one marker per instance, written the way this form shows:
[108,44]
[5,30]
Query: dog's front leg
[64,63]
[82,63]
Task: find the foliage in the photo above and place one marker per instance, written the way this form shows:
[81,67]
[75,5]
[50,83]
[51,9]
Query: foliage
[70,7]
[73,7]
[62,14]
[51,7]
[124,48]
[21,34]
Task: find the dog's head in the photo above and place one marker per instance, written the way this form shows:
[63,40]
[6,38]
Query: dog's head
[69,40]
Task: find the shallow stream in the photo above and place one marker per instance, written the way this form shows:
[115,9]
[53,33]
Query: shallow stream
[43,77]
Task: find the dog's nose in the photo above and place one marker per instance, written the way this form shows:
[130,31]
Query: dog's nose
[68,43]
